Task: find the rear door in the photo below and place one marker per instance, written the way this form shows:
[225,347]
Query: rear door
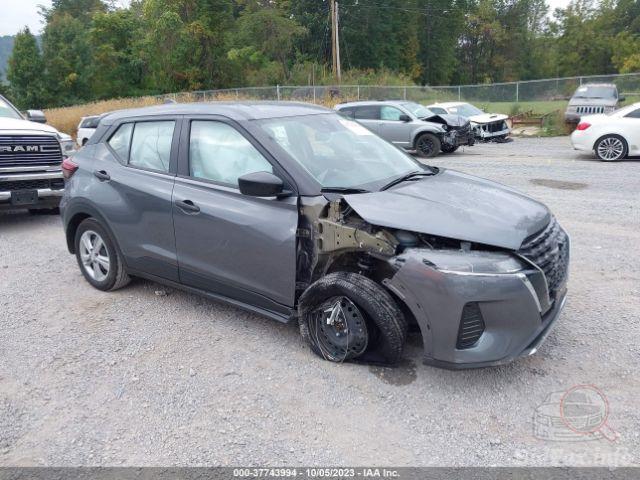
[240,247]
[134,192]
[368,116]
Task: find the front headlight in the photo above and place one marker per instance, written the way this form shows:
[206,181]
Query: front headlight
[66,144]
[473,262]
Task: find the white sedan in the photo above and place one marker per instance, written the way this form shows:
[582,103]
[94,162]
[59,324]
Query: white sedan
[612,137]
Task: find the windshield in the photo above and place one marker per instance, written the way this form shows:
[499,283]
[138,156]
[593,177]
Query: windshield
[596,92]
[418,110]
[337,152]
[7,110]
[465,110]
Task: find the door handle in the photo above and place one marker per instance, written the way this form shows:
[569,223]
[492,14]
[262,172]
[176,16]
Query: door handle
[187,206]
[102,175]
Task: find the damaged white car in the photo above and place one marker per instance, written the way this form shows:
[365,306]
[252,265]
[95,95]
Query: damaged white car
[486,126]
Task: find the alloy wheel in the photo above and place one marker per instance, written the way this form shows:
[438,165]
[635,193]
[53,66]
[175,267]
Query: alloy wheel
[94,255]
[611,148]
[425,146]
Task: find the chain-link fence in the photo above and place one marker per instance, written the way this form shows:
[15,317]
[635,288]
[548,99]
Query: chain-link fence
[547,90]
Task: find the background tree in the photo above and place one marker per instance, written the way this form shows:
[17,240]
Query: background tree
[25,72]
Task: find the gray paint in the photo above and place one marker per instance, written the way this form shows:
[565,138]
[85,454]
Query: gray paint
[455,205]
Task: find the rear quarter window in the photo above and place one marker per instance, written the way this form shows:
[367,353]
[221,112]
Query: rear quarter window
[120,141]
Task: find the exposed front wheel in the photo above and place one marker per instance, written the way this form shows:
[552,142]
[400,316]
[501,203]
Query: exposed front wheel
[428,145]
[611,148]
[98,258]
[346,316]
[448,148]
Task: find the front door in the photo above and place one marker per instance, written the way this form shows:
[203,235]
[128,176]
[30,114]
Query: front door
[230,244]
[392,129]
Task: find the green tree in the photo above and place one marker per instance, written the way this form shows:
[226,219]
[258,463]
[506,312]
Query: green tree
[25,72]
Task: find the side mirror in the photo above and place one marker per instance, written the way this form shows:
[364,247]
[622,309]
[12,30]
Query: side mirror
[261,184]
[404,118]
[36,116]
[621,99]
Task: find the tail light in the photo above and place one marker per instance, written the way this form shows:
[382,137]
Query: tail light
[69,167]
[583,126]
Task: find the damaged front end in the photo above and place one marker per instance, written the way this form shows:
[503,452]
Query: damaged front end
[475,305]
[457,130]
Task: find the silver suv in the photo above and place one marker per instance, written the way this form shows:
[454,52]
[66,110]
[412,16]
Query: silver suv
[411,126]
[591,99]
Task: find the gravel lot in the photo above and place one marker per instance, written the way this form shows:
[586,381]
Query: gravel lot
[150,376]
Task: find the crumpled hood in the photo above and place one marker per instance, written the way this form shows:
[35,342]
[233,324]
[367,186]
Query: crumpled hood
[448,119]
[593,102]
[455,205]
[488,118]
[14,124]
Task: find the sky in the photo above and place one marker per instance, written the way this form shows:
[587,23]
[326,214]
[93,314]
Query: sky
[18,13]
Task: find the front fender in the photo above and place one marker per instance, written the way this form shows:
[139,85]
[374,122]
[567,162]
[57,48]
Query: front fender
[439,132]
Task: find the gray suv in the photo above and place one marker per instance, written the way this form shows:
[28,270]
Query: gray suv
[411,126]
[591,99]
[299,214]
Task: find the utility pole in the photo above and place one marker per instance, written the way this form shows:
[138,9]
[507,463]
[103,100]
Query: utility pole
[335,40]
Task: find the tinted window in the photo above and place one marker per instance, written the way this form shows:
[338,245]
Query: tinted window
[390,113]
[438,110]
[151,145]
[347,112]
[634,114]
[218,152]
[121,141]
[371,112]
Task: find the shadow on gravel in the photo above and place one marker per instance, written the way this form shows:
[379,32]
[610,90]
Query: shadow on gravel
[403,374]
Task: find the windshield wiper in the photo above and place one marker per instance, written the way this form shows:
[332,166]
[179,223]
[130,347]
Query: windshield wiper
[345,190]
[406,178]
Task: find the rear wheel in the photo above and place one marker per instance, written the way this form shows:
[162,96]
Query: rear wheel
[428,145]
[346,316]
[611,148]
[98,258]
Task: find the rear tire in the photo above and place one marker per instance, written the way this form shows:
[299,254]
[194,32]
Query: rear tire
[611,148]
[386,327]
[428,145]
[98,258]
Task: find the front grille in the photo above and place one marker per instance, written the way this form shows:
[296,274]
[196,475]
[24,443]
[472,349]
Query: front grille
[549,250]
[471,326]
[55,184]
[47,151]
[494,127]
[590,109]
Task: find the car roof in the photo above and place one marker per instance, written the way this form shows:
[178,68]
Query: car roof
[364,103]
[448,104]
[610,85]
[235,110]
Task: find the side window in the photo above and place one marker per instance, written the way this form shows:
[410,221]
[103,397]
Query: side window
[120,141]
[151,145]
[390,113]
[347,112]
[634,114]
[438,110]
[370,112]
[218,152]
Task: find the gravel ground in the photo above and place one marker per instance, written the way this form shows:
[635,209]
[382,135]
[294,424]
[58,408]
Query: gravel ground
[150,376]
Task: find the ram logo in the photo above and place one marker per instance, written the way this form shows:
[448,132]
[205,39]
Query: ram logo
[20,148]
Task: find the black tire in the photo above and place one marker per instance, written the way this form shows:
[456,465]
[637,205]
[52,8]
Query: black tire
[448,148]
[615,154]
[386,324]
[116,276]
[428,145]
